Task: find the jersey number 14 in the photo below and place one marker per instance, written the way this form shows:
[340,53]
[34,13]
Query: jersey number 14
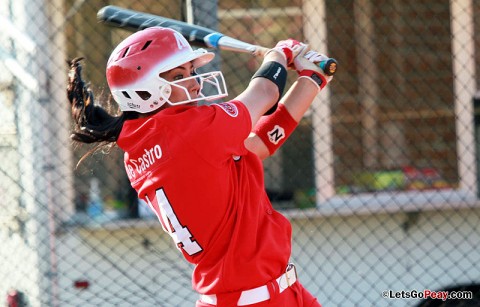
[179,233]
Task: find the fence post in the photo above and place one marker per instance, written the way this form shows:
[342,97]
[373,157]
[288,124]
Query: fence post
[315,33]
[463,51]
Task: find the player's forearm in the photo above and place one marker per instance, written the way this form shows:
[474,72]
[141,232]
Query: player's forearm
[281,124]
[259,96]
[272,131]
[299,97]
[254,144]
[266,86]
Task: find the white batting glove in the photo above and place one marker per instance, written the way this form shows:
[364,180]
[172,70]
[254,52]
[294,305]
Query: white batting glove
[318,58]
[315,57]
[306,64]
[289,48]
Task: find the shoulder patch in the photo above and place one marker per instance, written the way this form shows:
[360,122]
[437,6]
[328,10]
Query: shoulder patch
[229,108]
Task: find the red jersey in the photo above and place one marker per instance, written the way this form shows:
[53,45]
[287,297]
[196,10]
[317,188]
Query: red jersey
[191,166]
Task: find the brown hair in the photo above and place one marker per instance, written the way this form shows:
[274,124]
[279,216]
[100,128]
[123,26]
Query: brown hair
[94,124]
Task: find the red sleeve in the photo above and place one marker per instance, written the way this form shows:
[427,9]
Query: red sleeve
[221,130]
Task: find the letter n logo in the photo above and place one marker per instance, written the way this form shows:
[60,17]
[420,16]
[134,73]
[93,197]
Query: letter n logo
[276,134]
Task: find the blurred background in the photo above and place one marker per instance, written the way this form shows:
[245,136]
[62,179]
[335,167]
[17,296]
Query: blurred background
[380,180]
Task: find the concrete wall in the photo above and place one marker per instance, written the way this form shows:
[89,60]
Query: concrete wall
[357,257]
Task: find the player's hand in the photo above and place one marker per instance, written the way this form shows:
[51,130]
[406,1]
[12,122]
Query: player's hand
[290,49]
[315,57]
[306,64]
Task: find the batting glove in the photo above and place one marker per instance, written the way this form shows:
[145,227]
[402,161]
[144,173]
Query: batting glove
[290,48]
[315,57]
[306,64]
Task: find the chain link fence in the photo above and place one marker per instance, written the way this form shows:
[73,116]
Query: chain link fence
[379,180]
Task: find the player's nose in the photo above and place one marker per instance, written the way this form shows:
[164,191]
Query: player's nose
[194,85]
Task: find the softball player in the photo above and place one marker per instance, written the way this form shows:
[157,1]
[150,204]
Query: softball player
[200,169]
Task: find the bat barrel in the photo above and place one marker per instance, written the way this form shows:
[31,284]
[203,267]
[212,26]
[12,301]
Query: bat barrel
[125,19]
[134,21]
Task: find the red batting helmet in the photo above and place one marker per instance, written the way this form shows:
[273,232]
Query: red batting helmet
[134,67]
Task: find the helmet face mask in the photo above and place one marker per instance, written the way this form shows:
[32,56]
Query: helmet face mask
[134,68]
[212,86]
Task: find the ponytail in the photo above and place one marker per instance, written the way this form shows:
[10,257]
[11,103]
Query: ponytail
[91,123]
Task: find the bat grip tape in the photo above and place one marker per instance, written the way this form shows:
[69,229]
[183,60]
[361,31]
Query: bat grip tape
[212,39]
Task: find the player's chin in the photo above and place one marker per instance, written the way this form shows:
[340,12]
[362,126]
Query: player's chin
[195,101]
[192,104]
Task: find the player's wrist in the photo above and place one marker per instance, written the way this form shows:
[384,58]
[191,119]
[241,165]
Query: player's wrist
[286,53]
[289,49]
[276,55]
[315,77]
[275,129]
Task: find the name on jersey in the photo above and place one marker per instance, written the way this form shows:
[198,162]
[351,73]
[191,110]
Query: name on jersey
[142,163]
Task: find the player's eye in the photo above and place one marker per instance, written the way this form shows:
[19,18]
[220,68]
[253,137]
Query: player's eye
[178,77]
